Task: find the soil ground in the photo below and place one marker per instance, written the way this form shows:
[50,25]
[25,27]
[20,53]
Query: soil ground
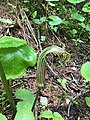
[53,91]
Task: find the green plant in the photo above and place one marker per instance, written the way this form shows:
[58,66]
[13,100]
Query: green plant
[41,65]
[68,18]
[86,7]
[85,72]
[52,20]
[15,57]
[27,99]
[24,106]
[49,114]
[87,99]
[75,1]
[2,117]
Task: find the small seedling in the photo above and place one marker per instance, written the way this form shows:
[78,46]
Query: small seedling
[49,114]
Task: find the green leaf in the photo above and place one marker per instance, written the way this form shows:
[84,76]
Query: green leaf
[73,31]
[54,28]
[62,82]
[42,19]
[25,95]
[27,98]
[86,7]
[57,116]
[24,114]
[34,14]
[9,21]
[55,20]
[2,117]
[8,41]
[37,21]
[86,27]
[75,1]
[16,60]
[85,71]
[77,16]
[46,114]
[51,0]
[87,99]
[24,105]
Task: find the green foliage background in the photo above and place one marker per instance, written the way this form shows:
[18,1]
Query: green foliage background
[75,17]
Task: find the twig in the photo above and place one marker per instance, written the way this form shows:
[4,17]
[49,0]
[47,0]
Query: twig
[51,69]
[78,95]
[39,40]
[30,27]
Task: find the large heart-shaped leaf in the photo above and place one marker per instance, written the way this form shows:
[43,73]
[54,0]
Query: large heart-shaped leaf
[85,71]
[75,1]
[16,60]
[8,42]
[2,117]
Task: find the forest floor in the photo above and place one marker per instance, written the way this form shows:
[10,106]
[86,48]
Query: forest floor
[56,95]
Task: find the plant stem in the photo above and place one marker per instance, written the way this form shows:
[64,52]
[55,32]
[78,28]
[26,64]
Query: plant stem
[7,89]
[38,92]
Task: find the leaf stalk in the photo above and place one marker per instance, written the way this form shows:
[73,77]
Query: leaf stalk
[7,89]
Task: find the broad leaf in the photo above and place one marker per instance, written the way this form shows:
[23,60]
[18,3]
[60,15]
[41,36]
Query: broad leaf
[24,105]
[77,16]
[55,20]
[2,117]
[46,114]
[87,99]
[75,1]
[24,114]
[27,98]
[16,60]
[85,71]
[8,42]
[25,95]
[57,116]
[86,7]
